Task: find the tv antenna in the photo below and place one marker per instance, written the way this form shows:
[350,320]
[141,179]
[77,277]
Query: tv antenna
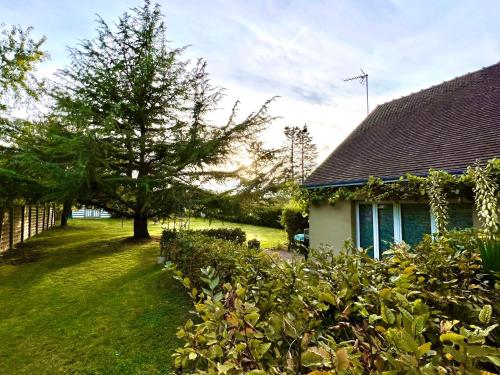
[363,79]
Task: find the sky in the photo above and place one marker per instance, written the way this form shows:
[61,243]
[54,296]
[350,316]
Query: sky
[299,51]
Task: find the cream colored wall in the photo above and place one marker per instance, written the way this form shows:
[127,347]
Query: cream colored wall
[330,225]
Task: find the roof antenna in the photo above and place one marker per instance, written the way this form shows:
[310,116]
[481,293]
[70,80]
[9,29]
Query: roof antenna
[362,78]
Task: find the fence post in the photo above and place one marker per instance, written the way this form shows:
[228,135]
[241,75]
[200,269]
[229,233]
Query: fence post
[22,224]
[11,231]
[43,219]
[29,221]
[36,221]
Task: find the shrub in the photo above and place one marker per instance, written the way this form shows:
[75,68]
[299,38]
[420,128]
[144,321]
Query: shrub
[254,244]
[235,235]
[263,215]
[293,220]
[431,311]
[490,253]
[191,251]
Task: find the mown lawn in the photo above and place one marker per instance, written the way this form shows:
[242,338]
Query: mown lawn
[88,300]
[268,237]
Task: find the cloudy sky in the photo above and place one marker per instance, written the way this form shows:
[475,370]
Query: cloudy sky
[299,50]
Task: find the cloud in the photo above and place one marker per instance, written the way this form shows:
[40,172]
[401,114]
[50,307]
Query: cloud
[301,50]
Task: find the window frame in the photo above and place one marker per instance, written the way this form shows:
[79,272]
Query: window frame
[398,225]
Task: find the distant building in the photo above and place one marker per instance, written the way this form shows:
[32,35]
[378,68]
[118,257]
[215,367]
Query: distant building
[90,213]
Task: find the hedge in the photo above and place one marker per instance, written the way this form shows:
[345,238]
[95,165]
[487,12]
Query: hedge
[191,251]
[428,310]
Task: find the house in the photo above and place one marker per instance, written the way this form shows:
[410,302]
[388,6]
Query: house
[90,213]
[447,127]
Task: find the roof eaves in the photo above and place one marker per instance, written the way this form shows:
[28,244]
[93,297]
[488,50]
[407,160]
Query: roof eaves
[360,182]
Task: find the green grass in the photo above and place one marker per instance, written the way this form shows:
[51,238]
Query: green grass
[87,300]
[268,237]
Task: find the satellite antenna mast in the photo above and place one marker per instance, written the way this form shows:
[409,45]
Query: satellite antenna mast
[363,79]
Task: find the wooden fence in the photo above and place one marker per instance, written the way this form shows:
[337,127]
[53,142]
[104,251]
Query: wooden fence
[22,222]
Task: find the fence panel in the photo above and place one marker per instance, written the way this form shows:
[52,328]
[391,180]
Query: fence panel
[26,226]
[16,224]
[22,222]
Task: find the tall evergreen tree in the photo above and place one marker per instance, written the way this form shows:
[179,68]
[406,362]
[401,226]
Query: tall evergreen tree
[147,110]
[308,153]
[302,153]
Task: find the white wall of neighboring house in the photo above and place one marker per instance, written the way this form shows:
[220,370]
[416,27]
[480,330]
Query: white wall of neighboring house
[90,213]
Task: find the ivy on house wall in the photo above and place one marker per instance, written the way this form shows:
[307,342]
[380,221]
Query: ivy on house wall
[479,183]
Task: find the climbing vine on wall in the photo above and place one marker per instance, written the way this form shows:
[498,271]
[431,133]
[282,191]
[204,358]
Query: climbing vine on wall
[437,199]
[438,188]
[486,190]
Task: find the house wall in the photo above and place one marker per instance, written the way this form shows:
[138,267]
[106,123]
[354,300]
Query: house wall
[331,225]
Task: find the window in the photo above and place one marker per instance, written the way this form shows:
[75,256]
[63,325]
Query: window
[375,227]
[365,227]
[380,224]
[460,216]
[415,222]
[385,221]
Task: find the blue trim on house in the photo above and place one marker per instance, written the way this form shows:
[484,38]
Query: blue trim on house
[364,181]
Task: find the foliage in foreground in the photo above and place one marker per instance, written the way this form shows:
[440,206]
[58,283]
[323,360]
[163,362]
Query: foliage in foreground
[432,311]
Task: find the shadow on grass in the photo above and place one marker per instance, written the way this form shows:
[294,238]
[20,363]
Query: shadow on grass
[53,252]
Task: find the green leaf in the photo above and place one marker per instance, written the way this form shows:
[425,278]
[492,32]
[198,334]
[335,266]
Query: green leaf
[387,314]
[452,337]
[327,297]
[485,314]
[262,349]
[213,283]
[424,348]
[314,357]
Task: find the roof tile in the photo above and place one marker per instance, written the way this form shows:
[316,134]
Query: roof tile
[448,126]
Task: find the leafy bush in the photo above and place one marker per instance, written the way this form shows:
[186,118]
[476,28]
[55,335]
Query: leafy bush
[490,253]
[254,244]
[293,220]
[261,215]
[191,251]
[235,235]
[431,311]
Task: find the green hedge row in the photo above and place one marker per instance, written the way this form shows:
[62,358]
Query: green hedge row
[267,217]
[429,310]
[191,251]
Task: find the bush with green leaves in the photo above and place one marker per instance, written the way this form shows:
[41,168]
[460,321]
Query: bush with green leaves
[267,216]
[293,219]
[191,251]
[427,311]
[235,235]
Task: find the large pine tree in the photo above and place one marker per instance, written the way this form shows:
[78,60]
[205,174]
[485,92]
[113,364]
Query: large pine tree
[146,108]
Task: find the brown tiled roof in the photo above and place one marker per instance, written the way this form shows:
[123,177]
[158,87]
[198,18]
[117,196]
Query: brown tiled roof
[448,127]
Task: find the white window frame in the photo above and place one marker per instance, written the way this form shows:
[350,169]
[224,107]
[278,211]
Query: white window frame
[398,229]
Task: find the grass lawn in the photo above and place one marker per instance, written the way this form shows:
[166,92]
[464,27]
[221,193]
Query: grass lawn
[88,301]
[268,237]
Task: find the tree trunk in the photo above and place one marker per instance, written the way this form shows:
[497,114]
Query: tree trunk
[141,227]
[66,213]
